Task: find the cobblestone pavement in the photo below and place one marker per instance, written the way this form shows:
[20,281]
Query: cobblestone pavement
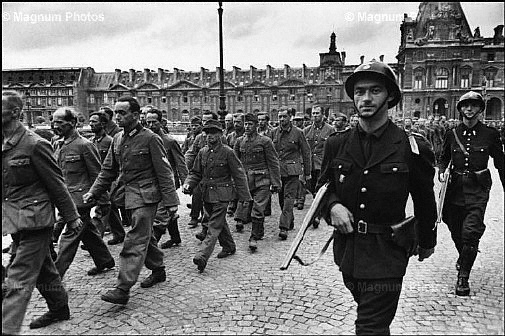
[248,294]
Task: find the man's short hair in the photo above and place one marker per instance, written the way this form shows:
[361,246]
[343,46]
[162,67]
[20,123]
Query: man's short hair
[69,113]
[261,114]
[134,104]
[238,116]
[158,113]
[13,99]
[317,106]
[251,117]
[107,110]
[101,116]
[196,120]
[214,114]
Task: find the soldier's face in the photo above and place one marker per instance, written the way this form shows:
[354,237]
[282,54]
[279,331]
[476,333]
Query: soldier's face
[212,137]
[196,128]
[228,122]
[284,118]
[238,123]
[262,122]
[61,126]
[470,109]
[8,112]
[95,124]
[317,116]
[250,127]
[354,121]
[124,116]
[153,123]
[371,97]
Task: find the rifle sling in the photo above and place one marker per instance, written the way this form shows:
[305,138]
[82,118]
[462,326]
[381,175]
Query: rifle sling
[323,250]
[459,143]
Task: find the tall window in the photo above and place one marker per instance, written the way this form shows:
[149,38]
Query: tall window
[442,75]
[184,97]
[465,77]
[490,75]
[418,79]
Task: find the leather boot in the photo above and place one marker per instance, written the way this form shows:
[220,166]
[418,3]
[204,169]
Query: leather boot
[50,317]
[462,286]
[158,231]
[158,275]
[467,259]
[202,234]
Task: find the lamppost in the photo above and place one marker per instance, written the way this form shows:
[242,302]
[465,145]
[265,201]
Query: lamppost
[222,98]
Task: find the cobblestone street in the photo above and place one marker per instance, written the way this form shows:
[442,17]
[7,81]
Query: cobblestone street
[248,293]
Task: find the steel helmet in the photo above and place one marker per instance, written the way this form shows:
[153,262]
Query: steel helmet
[472,95]
[378,70]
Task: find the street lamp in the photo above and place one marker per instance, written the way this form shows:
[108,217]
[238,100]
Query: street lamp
[29,118]
[222,99]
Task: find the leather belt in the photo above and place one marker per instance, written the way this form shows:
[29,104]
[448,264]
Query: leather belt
[363,227]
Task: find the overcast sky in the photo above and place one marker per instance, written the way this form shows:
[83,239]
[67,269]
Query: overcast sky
[107,36]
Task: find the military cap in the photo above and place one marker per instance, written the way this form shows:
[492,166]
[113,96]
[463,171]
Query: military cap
[212,126]
[298,116]
[196,120]
[251,117]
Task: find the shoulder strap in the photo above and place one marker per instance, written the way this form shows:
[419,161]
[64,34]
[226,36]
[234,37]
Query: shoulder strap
[459,142]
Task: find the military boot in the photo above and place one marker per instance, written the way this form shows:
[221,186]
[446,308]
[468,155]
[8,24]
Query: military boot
[467,258]
[253,246]
[202,234]
[158,275]
[158,231]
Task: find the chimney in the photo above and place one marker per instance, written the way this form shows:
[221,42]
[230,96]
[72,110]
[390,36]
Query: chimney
[235,72]
[160,75]
[304,71]
[132,76]
[176,74]
[343,57]
[362,59]
[381,58]
[286,71]
[269,71]
[117,74]
[146,74]
[251,72]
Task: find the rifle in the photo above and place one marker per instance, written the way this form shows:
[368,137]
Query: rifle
[309,217]
[441,194]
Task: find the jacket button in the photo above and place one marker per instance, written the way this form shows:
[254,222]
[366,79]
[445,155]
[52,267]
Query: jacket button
[361,206]
[395,169]
[365,172]
[339,166]
[363,189]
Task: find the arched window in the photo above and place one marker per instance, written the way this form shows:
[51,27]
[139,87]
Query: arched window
[490,74]
[465,77]
[441,78]
[418,78]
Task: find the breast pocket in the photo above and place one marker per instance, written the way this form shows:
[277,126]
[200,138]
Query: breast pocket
[139,157]
[342,168]
[22,171]
[73,164]
[258,154]
[220,168]
[394,179]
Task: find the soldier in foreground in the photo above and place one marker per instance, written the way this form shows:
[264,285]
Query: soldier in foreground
[469,147]
[31,180]
[372,168]
[221,176]
[138,157]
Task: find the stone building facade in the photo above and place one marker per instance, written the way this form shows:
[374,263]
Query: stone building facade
[440,58]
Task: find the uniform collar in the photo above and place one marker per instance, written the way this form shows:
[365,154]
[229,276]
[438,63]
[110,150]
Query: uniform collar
[135,130]
[287,130]
[377,133]
[71,138]
[14,139]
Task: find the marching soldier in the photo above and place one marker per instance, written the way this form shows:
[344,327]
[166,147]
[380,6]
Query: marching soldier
[163,222]
[264,127]
[372,168]
[221,175]
[298,121]
[228,124]
[138,157]
[261,163]
[231,138]
[294,156]
[468,147]
[316,136]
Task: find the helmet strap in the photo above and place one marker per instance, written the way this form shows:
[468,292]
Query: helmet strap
[377,110]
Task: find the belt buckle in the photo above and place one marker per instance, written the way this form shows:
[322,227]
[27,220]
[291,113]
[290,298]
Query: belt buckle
[362,227]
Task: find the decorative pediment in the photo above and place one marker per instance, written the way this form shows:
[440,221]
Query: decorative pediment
[257,84]
[147,86]
[226,85]
[57,84]
[119,87]
[184,84]
[37,85]
[292,82]
[16,85]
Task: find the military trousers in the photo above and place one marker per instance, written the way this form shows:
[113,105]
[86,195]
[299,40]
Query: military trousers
[312,183]
[255,210]
[300,193]
[466,223]
[101,218]
[377,301]
[163,223]
[197,202]
[218,230]
[287,195]
[139,248]
[89,235]
[31,267]
[115,222]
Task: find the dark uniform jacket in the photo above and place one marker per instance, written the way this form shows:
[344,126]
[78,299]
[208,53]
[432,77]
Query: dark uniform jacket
[232,137]
[214,168]
[186,145]
[102,143]
[293,150]
[316,138]
[260,160]
[139,161]
[376,192]
[31,183]
[480,142]
[79,161]
[199,142]
[175,158]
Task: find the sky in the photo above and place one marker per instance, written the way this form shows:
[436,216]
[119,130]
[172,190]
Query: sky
[108,36]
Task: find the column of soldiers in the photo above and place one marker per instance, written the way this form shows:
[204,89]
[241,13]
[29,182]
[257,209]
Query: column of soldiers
[130,173]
